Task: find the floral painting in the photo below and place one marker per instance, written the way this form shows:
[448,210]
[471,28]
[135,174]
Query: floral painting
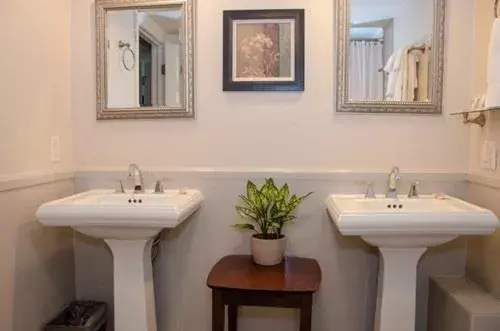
[264,50]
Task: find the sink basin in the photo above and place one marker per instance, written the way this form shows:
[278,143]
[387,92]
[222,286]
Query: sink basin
[426,221]
[127,222]
[106,214]
[402,229]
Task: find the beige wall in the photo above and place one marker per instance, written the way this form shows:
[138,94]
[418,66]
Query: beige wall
[274,130]
[289,131]
[483,264]
[36,263]
[42,67]
[34,88]
[482,30]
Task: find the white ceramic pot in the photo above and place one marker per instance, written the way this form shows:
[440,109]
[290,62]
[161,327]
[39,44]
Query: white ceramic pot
[268,252]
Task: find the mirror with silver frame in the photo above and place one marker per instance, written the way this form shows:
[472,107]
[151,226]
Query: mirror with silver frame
[145,65]
[390,56]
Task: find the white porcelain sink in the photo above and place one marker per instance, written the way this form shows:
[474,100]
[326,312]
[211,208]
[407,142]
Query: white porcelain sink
[127,222]
[426,221]
[402,229]
[109,215]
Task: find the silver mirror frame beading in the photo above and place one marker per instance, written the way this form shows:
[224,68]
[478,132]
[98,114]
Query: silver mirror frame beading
[184,111]
[373,106]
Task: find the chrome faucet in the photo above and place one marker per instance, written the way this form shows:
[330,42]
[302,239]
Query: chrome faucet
[135,173]
[392,183]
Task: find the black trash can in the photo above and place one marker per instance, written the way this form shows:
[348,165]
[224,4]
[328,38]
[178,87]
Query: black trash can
[80,316]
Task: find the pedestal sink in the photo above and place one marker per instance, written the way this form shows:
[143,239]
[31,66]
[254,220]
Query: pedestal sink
[402,229]
[127,222]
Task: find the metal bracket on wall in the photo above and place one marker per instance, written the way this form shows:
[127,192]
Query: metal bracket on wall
[479,119]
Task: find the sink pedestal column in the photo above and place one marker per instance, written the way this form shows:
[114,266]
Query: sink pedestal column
[134,301]
[398,289]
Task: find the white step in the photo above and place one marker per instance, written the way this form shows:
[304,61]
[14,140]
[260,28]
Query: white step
[458,304]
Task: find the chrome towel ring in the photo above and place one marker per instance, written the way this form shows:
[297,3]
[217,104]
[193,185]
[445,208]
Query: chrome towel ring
[125,47]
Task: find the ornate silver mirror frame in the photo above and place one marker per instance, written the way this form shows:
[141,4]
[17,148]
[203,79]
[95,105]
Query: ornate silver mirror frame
[186,110]
[372,106]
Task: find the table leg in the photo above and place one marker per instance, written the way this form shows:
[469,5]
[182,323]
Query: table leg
[232,312]
[306,312]
[217,311]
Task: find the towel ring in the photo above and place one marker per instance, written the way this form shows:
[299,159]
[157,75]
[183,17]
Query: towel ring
[496,8]
[126,47]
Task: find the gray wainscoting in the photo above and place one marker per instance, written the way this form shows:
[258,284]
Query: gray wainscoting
[36,262]
[347,297]
[483,263]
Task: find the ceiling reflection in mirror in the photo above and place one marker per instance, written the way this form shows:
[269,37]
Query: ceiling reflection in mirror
[144,66]
[390,50]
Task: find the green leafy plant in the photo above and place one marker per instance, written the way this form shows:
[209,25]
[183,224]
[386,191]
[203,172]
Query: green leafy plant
[269,208]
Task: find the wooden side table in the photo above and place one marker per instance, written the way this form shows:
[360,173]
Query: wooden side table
[236,281]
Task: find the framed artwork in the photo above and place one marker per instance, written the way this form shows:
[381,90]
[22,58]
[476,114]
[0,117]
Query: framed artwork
[263,50]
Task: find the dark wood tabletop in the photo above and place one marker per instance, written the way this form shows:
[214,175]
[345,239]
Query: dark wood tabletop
[294,274]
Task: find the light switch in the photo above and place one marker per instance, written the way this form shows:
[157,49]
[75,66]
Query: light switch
[55,153]
[489,156]
[484,161]
[493,156]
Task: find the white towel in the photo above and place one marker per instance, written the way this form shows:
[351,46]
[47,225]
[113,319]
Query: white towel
[479,102]
[493,76]
[392,68]
[402,76]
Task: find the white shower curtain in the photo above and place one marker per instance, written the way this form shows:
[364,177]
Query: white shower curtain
[366,82]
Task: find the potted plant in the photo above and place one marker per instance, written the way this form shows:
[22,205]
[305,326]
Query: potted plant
[269,209]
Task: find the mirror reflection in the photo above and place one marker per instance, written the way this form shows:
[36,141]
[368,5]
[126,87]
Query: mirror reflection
[390,50]
[145,58]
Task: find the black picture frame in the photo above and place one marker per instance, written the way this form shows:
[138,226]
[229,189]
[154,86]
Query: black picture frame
[229,16]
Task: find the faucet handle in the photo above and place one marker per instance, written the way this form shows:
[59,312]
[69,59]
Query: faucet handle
[121,189]
[370,191]
[159,188]
[413,192]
